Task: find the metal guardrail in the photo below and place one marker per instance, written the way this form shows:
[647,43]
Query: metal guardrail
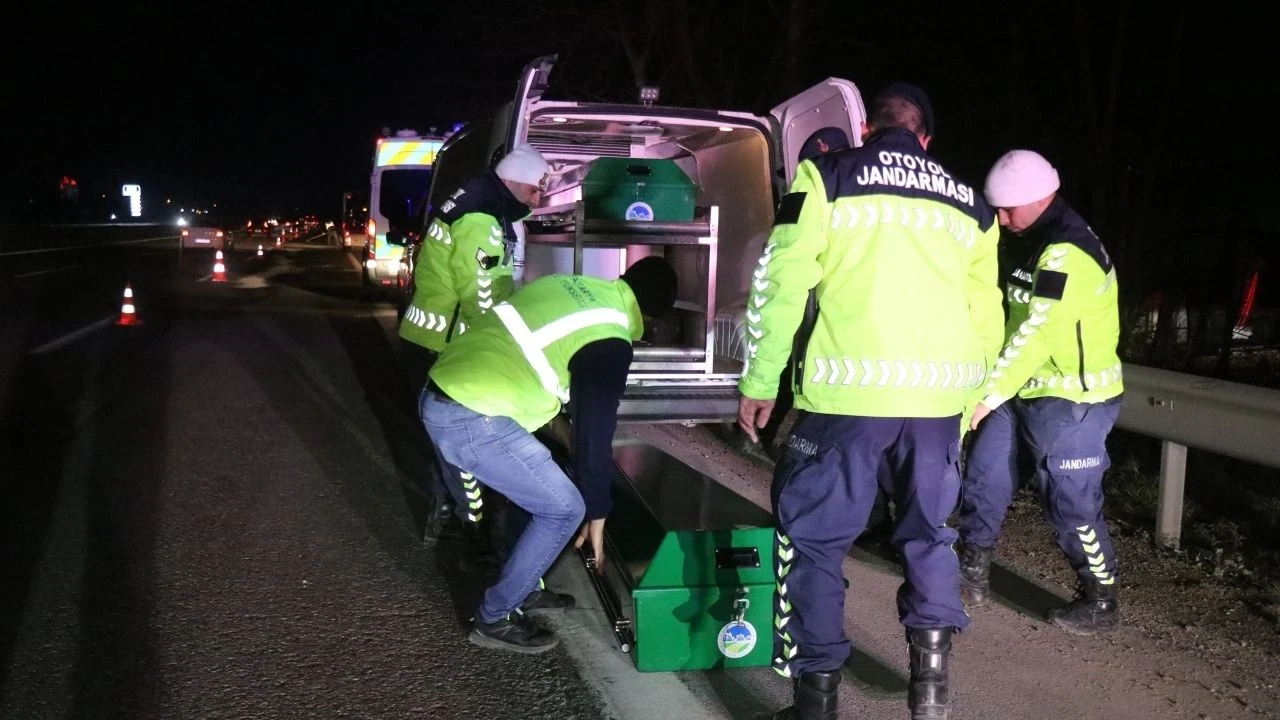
[1233,419]
[16,239]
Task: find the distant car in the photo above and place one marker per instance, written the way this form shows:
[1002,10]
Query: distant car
[202,236]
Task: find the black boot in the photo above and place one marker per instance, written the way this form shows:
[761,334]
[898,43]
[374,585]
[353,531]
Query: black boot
[927,694]
[817,696]
[442,522]
[1095,609]
[975,574]
[477,554]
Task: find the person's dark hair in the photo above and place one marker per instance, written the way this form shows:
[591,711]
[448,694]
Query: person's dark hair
[833,138]
[902,105]
[653,281]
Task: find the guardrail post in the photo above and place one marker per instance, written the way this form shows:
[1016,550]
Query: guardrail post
[1173,477]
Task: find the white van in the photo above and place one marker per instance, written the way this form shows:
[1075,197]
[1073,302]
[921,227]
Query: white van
[737,163]
[397,192]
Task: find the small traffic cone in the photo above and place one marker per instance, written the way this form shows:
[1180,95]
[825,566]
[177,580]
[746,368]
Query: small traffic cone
[277,242]
[259,249]
[128,313]
[219,269]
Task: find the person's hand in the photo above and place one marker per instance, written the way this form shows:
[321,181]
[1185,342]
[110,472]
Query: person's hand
[753,414]
[593,530]
[980,411]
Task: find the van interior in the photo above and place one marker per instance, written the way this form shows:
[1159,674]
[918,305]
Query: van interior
[727,158]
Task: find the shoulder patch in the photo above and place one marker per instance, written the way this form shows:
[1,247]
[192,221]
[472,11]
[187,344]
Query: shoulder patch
[789,209]
[486,261]
[1050,284]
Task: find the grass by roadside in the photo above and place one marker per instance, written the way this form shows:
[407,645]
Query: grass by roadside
[1231,516]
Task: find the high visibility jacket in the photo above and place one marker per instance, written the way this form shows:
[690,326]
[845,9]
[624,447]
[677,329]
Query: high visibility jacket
[905,315]
[465,264]
[514,362]
[1064,316]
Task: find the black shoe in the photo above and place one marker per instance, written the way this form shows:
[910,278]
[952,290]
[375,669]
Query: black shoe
[1095,609]
[817,696]
[547,601]
[515,632]
[975,574]
[928,694]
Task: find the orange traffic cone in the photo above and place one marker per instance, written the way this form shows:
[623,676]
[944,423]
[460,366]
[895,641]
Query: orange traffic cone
[128,313]
[219,270]
[259,249]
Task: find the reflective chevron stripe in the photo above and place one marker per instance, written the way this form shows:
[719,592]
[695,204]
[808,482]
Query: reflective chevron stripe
[426,320]
[475,499]
[1096,381]
[1039,316]
[897,373]
[437,231]
[1093,555]
[866,215]
[759,283]
[784,558]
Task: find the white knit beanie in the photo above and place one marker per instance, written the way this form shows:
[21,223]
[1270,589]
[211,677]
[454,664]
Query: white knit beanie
[1020,177]
[524,164]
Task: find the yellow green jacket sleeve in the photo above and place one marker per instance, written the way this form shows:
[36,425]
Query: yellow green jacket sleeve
[1045,325]
[479,279]
[982,288]
[781,281]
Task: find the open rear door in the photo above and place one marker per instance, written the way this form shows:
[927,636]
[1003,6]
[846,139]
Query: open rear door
[533,82]
[831,103]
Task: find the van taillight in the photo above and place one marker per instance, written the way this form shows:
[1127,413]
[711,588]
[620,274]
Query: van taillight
[371,230]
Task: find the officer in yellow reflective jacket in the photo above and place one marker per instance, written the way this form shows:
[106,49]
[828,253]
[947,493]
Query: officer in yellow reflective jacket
[887,265]
[463,269]
[558,338]
[1056,390]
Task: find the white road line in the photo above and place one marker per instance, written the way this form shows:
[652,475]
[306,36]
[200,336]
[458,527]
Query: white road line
[71,337]
[35,273]
[83,247]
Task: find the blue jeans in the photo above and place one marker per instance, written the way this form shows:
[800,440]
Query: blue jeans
[507,458]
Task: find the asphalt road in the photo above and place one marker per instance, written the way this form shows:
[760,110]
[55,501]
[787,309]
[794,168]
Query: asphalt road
[215,514]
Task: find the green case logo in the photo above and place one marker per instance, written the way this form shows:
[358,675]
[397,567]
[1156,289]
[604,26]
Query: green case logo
[737,639]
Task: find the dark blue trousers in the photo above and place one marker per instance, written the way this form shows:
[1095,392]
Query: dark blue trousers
[1067,442]
[824,488]
[443,480]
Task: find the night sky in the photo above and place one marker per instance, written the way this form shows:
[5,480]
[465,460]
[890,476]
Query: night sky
[275,110]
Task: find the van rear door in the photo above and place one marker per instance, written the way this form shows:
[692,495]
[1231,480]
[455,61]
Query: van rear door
[831,103]
[533,82]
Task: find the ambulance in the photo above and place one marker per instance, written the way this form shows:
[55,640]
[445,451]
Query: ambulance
[398,187]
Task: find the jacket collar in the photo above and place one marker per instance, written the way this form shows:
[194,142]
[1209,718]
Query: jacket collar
[1051,216]
[511,208]
[895,136]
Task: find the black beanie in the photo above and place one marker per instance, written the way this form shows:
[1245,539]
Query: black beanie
[653,281]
